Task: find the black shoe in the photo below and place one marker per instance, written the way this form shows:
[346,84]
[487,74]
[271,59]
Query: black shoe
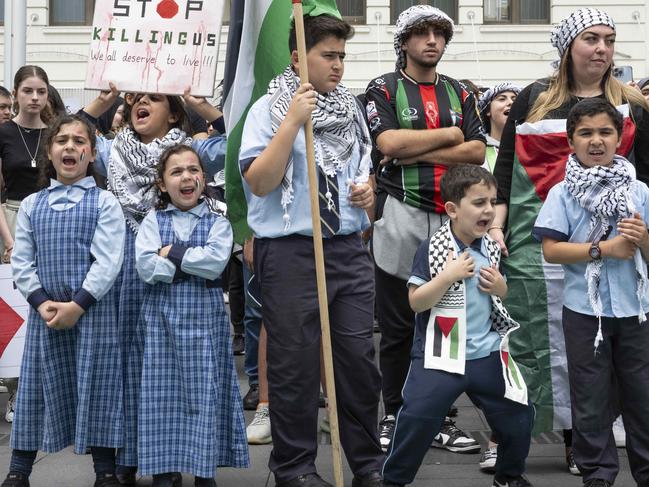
[204,482]
[307,480]
[172,479]
[597,483]
[251,399]
[387,483]
[372,479]
[107,480]
[452,411]
[519,481]
[15,479]
[126,475]
[238,344]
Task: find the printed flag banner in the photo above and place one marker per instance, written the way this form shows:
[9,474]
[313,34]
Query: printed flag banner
[155,47]
[445,345]
[535,296]
[13,324]
[263,54]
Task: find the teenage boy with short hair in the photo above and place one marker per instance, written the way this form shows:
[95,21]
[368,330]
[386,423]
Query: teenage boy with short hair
[274,167]
[461,336]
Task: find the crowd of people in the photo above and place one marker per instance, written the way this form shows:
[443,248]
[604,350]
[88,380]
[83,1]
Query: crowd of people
[449,213]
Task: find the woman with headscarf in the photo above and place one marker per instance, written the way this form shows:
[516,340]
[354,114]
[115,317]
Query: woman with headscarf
[494,106]
[531,160]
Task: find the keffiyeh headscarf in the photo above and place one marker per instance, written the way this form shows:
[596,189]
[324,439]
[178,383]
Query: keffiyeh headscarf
[487,97]
[410,18]
[132,171]
[605,191]
[569,28]
[338,123]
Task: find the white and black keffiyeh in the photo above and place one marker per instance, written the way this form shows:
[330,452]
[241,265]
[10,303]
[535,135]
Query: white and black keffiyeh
[605,191]
[410,18]
[132,171]
[487,97]
[569,28]
[338,124]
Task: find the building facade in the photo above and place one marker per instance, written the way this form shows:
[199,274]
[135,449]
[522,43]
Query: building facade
[495,40]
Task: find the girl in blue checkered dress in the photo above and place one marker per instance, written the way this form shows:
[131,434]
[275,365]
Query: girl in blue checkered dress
[190,417]
[68,252]
[155,123]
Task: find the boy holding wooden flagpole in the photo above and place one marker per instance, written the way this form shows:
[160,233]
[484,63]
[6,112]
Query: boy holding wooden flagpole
[461,336]
[274,163]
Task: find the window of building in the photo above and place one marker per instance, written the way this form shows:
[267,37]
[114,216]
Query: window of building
[2,12]
[353,11]
[516,11]
[398,6]
[71,12]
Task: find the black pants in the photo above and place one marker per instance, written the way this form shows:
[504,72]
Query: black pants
[286,270]
[234,283]
[622,356]
[397,323]
[427,395]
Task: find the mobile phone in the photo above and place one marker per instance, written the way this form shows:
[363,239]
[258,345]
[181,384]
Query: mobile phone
[623,73]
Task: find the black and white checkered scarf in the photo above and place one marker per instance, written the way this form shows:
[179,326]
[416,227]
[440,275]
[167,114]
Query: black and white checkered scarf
[412,16]
[132,171]
[338,124]
[604,191]
[574,24]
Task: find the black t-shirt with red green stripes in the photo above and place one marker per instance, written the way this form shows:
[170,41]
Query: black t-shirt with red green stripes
[394,101]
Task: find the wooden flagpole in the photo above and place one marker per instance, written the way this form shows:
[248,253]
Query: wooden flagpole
[319,256]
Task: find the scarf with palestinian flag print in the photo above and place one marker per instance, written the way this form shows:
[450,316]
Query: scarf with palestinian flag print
[445,341]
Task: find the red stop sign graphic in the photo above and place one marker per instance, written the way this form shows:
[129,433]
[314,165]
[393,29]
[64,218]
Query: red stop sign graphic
[167,9]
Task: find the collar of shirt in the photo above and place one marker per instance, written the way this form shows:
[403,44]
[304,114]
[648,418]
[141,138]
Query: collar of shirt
[475,245]
[84,183]
[198,210]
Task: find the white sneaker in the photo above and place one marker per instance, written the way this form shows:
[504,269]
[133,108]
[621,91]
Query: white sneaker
[258,431]
[619,433]
[488,458]
[452,438]
[325,427]
[9,411]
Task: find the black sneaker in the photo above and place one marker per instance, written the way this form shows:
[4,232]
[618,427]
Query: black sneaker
[126,478]
[238,344]
[15,479]
[386,431]
[598,483]
[172,479]
[519,481]
[204,482]
[452,438]
[107,480]
[251,399]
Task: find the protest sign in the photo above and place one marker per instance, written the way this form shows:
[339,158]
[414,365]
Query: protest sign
[13,324]
[155,46]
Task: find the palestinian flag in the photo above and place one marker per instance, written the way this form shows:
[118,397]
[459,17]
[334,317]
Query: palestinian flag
[262,54]
[446,340]
[535,297]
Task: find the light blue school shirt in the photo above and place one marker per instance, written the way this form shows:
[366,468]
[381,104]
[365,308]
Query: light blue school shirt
[562,219]
[481,338]
[211,152]
[207,262]
[265,213]
[107,246]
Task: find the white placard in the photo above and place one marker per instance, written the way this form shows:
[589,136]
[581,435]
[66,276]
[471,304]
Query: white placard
[13,310]
[155,46]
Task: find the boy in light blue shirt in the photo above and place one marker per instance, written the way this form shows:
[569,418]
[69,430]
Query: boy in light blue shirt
[594,223]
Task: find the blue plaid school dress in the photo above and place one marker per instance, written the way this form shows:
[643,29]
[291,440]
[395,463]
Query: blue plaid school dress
[131,292]
[191,417]
[70,389]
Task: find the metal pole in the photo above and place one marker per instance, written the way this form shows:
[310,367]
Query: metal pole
[8,73]
[18,34]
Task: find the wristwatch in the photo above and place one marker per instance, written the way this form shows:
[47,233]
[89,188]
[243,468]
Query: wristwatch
[595,252]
